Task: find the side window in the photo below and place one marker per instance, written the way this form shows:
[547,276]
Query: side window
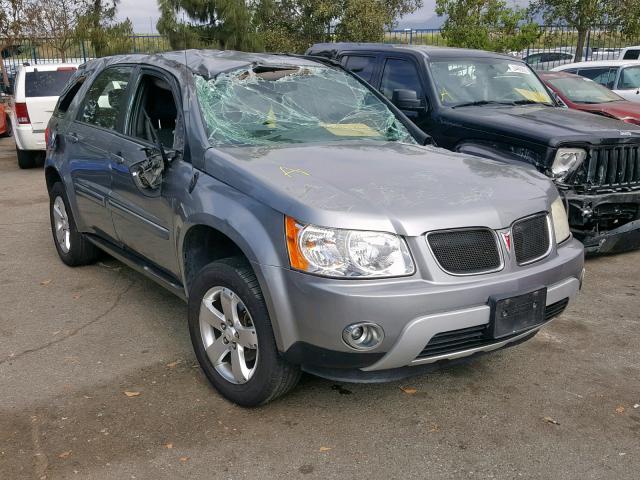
[629,78]
[360,65]
[400,74]
[604,76]
[105,98]
[65,100]
[155,112]
[631,55]
[534,58]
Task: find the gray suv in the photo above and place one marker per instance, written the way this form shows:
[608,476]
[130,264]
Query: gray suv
[305,220]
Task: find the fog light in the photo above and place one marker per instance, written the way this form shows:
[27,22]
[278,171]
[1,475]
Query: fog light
[363,335]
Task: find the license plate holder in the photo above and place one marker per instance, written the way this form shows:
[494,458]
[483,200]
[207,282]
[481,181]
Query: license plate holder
[511,315]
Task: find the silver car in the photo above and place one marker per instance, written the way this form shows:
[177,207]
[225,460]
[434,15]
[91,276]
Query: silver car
[306,221]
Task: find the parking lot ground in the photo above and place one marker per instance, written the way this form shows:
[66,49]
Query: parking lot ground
[98,381]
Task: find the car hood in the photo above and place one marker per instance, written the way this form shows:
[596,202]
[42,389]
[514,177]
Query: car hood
[541,124]
[622,109]
[408,189]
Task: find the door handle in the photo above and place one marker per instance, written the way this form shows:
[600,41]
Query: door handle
[117,157]
[73,138]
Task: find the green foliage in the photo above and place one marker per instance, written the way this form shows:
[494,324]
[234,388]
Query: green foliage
[97,24]
[277,25]
[222,24]
[607,15]
[486,25]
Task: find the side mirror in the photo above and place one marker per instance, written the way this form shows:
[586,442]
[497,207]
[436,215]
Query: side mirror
[406,100]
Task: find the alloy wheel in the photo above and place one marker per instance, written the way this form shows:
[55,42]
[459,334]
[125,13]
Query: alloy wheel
[228,335]
[61,223]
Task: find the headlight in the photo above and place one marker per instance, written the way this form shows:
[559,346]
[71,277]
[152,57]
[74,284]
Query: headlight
[560,221]
[334,252]
[567,159]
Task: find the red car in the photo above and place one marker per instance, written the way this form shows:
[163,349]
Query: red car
[586,95]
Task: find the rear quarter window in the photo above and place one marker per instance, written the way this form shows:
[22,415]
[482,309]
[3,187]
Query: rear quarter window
[46,83]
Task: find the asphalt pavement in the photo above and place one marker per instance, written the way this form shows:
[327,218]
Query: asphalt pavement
[98,381]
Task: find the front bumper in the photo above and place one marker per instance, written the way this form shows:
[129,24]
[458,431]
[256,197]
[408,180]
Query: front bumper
[411,310]
[605,222]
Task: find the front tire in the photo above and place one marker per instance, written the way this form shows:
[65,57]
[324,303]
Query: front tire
[232,335]
[72,246]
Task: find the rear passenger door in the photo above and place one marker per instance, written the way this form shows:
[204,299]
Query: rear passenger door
[362,64]
[87,141]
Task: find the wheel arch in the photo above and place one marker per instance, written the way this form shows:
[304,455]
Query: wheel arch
[51,176]
[206,238]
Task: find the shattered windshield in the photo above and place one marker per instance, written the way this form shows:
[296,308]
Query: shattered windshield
[293,104]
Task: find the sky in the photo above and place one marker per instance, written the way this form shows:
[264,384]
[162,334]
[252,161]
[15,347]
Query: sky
[144,15]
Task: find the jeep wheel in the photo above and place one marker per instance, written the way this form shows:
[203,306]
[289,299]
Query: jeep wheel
[72,246]
[232,335]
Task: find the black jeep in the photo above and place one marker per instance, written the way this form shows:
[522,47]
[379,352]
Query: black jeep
[495,106]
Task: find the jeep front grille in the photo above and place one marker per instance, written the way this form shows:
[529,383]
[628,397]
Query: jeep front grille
[466,251]
[612,167]
[531,238]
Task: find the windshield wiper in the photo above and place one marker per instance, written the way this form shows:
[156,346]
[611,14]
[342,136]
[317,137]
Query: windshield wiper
[481,102]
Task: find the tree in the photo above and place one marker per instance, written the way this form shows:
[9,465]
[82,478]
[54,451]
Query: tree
[486,25]
[12,29]
[294,25]
[55,22]
[224,23]
[97,23]
[586,14]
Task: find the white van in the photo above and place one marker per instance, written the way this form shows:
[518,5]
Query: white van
[36,92]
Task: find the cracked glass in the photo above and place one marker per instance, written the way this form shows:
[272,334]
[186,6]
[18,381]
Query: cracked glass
[261,106]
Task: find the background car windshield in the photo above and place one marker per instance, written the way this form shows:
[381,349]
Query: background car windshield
[293,104]
[629,78]
[583,90]
[462,81]
[46,84]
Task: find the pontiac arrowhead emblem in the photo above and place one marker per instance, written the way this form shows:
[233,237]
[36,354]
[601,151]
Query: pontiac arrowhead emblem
[506,238]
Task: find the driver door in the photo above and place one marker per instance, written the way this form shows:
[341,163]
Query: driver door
[143,211]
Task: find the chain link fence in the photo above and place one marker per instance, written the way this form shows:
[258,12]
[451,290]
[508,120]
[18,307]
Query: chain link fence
[554,46]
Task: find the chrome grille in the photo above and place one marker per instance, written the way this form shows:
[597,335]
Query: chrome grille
[531,238]
[466,251]
[612,166]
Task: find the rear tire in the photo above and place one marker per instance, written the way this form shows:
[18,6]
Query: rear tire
[230,284]
[27,158]
[73,247]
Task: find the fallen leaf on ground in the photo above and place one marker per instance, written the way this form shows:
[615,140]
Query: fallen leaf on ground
[173,364]
[45,282]
[184,459]
[76,297]
[325,449]
[168,445]
[409,390]
[551,420]
[65,454]
[620,409]
[131,394]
